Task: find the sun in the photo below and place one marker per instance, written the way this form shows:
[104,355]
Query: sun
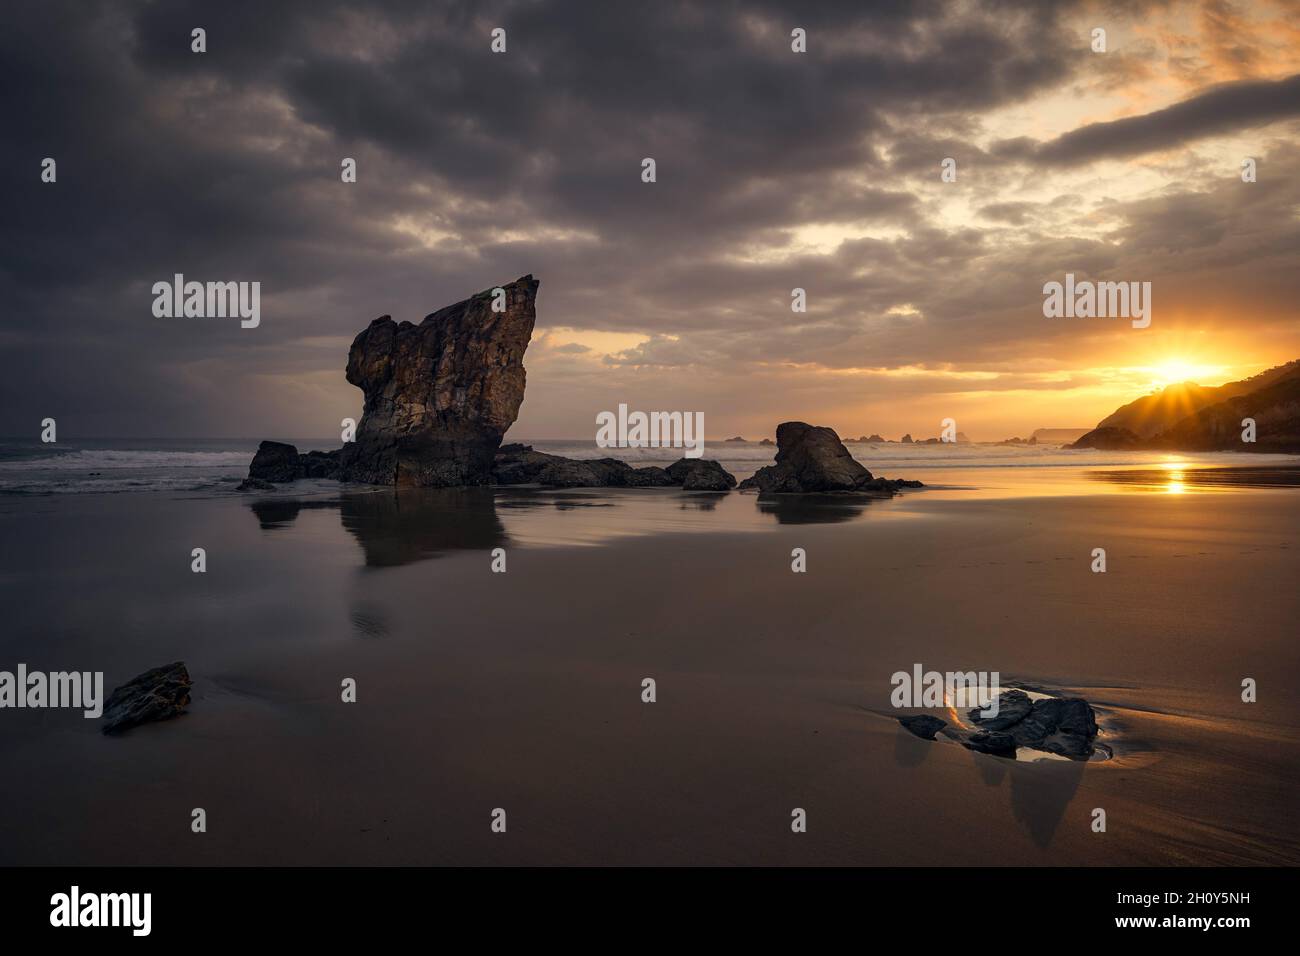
[1175,371]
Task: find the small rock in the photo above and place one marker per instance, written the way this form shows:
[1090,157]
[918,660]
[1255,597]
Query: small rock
[700,474]
[1013,707]
[158,694]
[923,725]
[991,742]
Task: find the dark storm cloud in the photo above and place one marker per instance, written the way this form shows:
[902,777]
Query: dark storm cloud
[1227,108]
[476,168]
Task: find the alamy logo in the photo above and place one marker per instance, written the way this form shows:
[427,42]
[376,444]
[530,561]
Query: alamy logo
[208,300]
[1086,300]
[922,688]
[683,430]
[55,689]
[75,908]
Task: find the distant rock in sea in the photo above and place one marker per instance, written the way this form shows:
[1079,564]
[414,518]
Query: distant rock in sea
[737,438]
[810,458]
[1056,436]
[906,440]
[767,441]
[158,694]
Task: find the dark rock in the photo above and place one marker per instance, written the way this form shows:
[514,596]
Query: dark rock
[275,461]
[158,694]
[439,395]
[813,459]
[906,440]
[737,438]
[923,725]
[320,464]
[889,485]
[699,474]
[521,465]
[767,441]
[1066,726]
[648,477]
[567,473]
[280,462]
[1061,725]
[1013,707]
[991,742]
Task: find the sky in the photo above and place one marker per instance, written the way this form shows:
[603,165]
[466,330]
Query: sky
[775,170]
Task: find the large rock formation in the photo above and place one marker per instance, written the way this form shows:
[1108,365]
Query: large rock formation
[439,395]
[812,458]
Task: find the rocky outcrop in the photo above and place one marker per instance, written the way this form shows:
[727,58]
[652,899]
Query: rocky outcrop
[810,458]
[277,462]
[440,395]
[521,465]
[1275,409]
[697,474]
[158,694]
[1013,707]
[1066,726]
[991,742]
[1189,417]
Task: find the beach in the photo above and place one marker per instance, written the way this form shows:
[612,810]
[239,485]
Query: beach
[522,690]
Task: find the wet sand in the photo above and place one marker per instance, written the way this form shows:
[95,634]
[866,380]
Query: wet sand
[523,690]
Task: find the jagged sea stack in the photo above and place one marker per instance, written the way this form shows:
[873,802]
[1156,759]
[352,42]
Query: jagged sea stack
[439,395]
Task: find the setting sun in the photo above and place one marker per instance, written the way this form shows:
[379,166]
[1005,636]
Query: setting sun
[1176,370]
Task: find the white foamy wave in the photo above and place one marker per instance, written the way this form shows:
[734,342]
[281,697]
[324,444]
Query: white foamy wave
[85,460]
[27,471]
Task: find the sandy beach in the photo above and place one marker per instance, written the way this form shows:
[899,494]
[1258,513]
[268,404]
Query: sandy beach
[478,690]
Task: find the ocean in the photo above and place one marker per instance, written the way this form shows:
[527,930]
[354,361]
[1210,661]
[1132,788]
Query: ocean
[216,466]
